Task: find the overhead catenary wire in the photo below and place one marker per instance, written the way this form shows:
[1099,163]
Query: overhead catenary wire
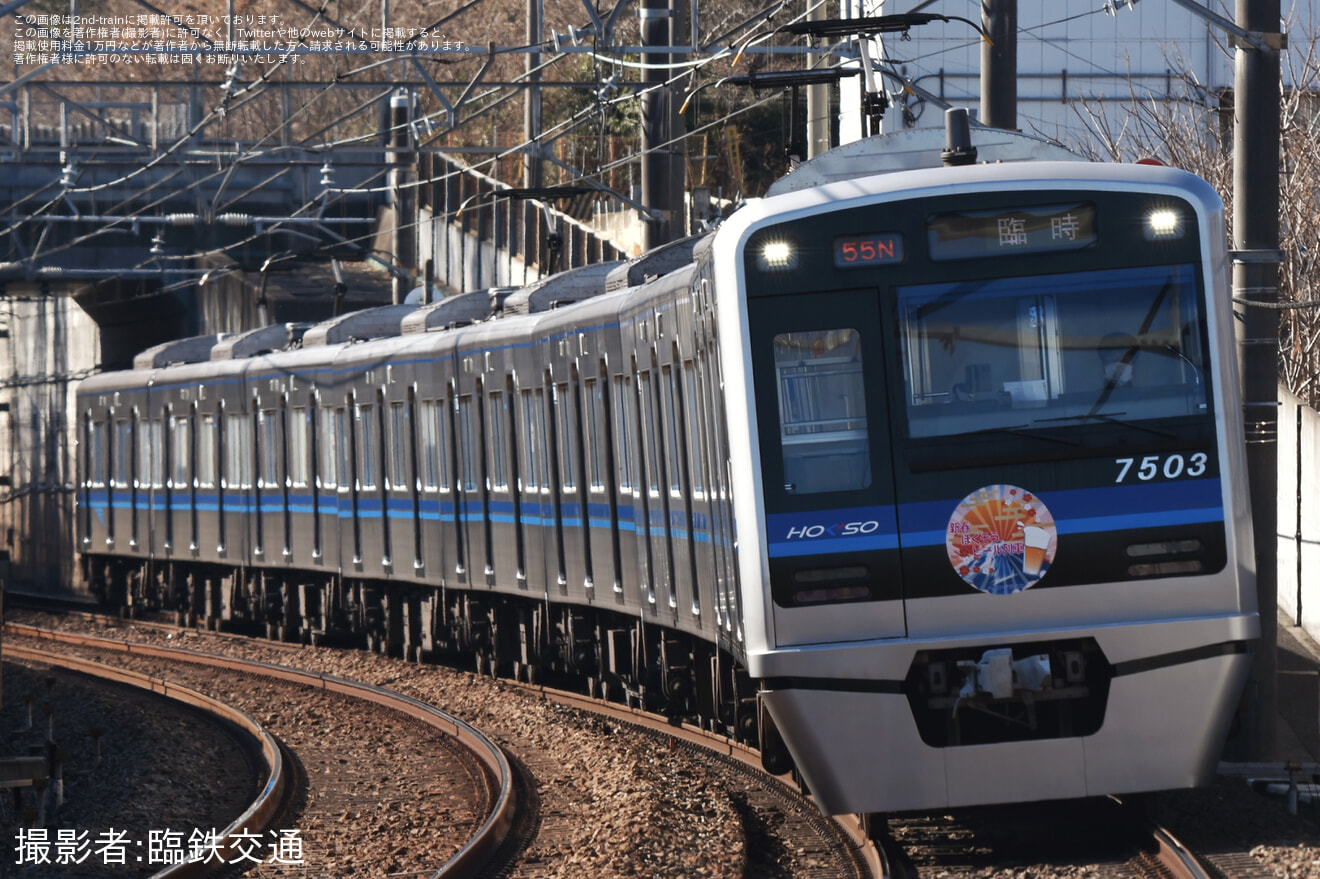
[567,127]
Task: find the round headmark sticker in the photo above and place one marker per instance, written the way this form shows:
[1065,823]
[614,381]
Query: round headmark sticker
[1001,539]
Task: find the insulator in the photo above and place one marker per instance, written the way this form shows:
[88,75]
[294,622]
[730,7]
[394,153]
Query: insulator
[234,219]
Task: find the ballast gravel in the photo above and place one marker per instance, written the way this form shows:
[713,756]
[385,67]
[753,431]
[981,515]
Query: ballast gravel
[630,808]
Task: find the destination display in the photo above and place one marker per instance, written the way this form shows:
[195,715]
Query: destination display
[1012,231]
[877,248]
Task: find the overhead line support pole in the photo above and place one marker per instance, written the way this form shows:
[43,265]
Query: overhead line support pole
[818,99]
[403,180]
[999,64]
[655,124]
[1256,230]
[532,165]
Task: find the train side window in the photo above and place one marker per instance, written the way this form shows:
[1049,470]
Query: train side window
[180,444]
[543,448]
[443,443]
[98,453]
[238,451]
[339,428]
[267,422]
[151,464]
[365,413]
[650,436]
[432,453]
[399,430]
[427,450]
[592,439]
[695,431]
[467,456]
[530,474]
[498,442]
[143,453]
[123,453]
[331,442]
[567,438]
[822,411]
[206,453]
[669,414]
[625,443]
[299,446]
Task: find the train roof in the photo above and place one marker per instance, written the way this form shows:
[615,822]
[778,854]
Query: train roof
[193,349]
[452,311]
[653,264]
[263,340]
[1022,176]
[572,285]
[913,149]
[369,323]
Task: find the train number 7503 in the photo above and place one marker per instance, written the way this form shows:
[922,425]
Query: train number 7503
[1173,466]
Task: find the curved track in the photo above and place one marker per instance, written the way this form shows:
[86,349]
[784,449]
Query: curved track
[776,817]
[468,860]
[260,815]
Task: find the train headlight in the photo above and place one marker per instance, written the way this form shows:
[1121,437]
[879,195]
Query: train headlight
[776,255]
[1164,224]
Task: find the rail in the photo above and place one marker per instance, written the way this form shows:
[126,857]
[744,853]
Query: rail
[260,814]
[870,854]
[489,835]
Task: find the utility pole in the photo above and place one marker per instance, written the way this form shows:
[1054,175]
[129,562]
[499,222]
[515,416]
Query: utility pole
[655,123]
[999,64]
[1256,280]
[403,179]
[676,136]
[818,97]
[532,176]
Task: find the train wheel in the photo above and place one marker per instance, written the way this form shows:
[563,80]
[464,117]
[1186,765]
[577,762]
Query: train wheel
[875,824]
[776,760]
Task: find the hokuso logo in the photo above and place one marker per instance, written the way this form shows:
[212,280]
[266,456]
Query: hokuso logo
[842,529]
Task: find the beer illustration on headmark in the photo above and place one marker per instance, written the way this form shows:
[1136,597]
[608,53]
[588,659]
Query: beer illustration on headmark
[1001,539]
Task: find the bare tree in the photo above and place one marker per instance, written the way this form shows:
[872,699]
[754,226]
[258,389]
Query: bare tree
[1194,131]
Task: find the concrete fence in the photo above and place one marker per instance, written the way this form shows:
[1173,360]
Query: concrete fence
[1299,512]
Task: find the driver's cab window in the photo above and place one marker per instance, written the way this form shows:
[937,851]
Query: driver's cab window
[822,411]
[1039,351]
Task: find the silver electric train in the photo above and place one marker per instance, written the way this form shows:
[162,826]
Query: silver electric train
[930,483]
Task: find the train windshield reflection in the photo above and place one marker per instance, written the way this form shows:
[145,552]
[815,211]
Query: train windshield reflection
[1123,345]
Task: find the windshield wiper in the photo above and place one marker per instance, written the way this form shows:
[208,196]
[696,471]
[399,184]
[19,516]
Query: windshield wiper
[1111,418]
[1024,430]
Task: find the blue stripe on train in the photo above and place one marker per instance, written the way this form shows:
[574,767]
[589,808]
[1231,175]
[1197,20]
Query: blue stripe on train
[1075,511]
[500,512]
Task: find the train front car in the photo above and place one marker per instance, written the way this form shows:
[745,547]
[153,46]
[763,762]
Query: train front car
[995,503]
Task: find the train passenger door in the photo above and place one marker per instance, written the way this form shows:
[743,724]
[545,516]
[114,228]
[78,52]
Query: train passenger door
[831,522]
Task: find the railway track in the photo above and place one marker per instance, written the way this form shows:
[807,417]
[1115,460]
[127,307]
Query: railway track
[374,776]
[99,733]
[779,826]
[785,834]
[1068,839]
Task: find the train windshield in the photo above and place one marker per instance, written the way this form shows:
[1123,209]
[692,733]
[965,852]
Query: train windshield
[1022,353]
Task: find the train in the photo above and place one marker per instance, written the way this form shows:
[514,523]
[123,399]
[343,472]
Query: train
[929,483]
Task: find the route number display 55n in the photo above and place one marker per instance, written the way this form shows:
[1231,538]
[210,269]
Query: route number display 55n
[1173,466]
